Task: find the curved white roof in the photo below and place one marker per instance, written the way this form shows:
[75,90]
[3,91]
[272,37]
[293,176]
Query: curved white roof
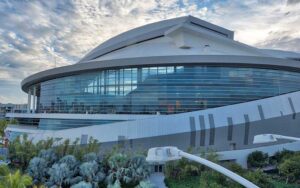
[152,31]
[180,36]
[183,40]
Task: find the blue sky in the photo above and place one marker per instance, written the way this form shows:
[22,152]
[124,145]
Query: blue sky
[37,35]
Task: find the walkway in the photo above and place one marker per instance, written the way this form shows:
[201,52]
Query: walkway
[158,180]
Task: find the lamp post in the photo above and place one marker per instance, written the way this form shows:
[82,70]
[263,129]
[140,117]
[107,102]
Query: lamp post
[266,138]
[169,153]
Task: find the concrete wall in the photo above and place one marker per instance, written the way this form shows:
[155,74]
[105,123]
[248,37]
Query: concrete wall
[241,122]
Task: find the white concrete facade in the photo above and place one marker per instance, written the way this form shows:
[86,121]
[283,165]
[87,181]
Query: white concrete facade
[160,125]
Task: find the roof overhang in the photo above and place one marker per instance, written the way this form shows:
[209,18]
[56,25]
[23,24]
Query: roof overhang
[209,60]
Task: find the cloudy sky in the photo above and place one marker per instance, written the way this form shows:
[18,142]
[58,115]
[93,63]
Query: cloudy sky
[38,35]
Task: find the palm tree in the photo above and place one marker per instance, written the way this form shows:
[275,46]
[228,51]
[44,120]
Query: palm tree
[4,170]
[15,180]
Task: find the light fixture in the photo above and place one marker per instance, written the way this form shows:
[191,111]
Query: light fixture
[267,138]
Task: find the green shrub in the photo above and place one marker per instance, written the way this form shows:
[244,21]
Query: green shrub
[290,168]
[211,156]
[186,182]
[257,159]
[212,179]
[259,178]
[236,168]
[183,168]
[281,155]
[21,151]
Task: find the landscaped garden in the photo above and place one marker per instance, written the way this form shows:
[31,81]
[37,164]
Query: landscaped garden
[61,164]
[279,171]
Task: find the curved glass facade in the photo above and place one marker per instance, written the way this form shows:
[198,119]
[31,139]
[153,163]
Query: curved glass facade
[163,89]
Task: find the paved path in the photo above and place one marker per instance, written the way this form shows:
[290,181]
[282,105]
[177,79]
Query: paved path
[158,180]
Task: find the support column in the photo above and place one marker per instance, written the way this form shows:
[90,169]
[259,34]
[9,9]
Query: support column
[34,101]
[29,101]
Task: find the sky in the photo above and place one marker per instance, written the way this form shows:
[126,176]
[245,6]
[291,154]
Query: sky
[39,35]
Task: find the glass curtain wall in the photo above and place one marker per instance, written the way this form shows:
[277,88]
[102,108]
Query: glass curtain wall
[162,89]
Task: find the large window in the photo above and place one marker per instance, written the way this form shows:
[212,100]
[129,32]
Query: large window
[164,89]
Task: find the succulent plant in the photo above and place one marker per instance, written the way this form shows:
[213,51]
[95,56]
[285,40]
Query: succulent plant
[127,170]
[89,157]
[91,172]
[49,155]
[117,184]
[82,184]
[145,184]
[59,174]
[37,169]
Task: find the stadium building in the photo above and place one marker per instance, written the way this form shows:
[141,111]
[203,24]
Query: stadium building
[182,82]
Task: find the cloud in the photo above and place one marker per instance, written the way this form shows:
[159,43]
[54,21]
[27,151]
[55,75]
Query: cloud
[38,35]
[10,92]
[292,2]
[260,23]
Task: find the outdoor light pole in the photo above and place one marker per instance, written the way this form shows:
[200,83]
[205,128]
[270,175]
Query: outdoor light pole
[164,154]
[266,138]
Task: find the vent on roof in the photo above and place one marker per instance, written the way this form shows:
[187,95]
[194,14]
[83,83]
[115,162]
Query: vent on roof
[218,32]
